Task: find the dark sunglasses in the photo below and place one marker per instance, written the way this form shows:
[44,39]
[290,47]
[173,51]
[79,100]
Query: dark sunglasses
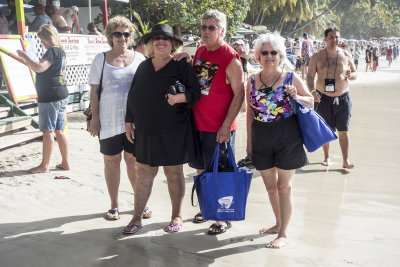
[161,37]
[211,28]
[266,53]
[119,34]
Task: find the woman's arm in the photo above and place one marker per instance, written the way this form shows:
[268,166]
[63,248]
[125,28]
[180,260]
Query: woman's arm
[94,105]
[37,67]
[249,118]
[300,92]
[190,80]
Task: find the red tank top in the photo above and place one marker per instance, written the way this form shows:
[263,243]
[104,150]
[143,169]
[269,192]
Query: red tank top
[216,95]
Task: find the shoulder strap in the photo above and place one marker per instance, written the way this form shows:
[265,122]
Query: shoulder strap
[101,76]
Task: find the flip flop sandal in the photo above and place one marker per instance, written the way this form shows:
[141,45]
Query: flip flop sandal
[114,215]
[131,229]
[147,213]
[220,228]
[171,225]
[195,220]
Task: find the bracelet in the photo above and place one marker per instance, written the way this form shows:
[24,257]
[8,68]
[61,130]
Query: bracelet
[313,91]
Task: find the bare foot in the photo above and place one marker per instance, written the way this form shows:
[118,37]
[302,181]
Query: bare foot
[63,166]
[326,162]
[273,230]
[348,165]
[280,242]
[38,169]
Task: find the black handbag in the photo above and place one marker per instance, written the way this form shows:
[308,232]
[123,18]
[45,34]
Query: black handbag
[88,112]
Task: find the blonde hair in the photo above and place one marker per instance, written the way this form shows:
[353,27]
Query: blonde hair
[49,33]
[176,47]
[277,42]
[114,23]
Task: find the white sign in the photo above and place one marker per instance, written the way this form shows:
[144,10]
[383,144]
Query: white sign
[81,49]
[18,74]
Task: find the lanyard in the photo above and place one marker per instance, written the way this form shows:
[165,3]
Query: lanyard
[327,71]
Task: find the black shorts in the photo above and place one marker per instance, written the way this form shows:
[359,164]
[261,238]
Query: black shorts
[114,145]
[277,144]
[207,146]
[306,61]
[367,60]
[336,111]
[356,61]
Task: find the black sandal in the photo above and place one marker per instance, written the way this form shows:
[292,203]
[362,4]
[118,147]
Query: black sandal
[246,162]
[195,220]
[219,227]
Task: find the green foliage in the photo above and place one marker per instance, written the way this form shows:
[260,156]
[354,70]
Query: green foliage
[186,14]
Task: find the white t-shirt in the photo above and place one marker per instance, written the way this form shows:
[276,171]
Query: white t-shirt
[116,84]
[297,49]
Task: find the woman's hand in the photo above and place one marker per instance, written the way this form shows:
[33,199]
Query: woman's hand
[174,99]
[171,99]
[94,126]
[130,132]
[292,91]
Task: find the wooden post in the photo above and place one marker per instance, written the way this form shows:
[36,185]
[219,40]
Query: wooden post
[19,7]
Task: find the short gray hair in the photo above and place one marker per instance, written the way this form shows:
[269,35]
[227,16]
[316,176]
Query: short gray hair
[217,15]
[277,42]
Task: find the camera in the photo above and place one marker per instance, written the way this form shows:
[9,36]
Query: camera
[176,88]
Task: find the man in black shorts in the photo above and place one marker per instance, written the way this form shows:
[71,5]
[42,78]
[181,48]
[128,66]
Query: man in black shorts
[332,90]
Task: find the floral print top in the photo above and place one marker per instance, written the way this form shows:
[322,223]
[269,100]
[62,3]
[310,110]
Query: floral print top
[273,105]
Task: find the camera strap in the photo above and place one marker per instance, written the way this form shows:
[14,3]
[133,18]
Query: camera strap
[330,83]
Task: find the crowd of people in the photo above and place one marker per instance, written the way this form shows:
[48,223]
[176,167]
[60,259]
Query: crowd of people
[164,109]
[67,22]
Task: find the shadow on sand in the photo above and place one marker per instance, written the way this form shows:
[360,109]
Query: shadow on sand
[61,242]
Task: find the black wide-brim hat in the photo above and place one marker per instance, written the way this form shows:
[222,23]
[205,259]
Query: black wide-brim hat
[161,29]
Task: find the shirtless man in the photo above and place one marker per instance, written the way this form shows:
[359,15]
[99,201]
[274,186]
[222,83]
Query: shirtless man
[335,68]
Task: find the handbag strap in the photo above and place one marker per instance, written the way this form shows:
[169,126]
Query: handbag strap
[101,76]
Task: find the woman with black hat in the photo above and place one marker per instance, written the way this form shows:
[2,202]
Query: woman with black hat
[158,122]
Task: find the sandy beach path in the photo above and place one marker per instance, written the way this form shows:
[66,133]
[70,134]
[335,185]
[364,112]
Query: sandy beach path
[340,218]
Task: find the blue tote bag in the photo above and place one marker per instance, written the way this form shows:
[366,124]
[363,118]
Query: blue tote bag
[314,130]
[222,195]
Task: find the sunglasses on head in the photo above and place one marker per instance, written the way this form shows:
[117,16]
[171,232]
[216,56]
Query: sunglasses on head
[266,53]
[211,28]
[160,37]
[119,34]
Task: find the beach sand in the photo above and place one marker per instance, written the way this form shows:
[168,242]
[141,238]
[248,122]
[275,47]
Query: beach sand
[340,218]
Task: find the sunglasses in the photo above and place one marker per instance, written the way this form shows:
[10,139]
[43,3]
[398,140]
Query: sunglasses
[119,34]
[211,28]
[266,53]
[161,37]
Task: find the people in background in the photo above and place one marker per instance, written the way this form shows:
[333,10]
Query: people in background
[72,19]
[58,20]
[41,18]
[93,29]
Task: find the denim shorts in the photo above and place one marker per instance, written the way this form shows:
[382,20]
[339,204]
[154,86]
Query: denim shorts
[208,142]
[52,115]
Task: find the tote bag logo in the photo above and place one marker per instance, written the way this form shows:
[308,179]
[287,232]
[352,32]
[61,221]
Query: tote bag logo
[226,202]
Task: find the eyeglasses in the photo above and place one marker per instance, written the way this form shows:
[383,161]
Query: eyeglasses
[119,34]
[211,28]
[266,53]
[161,37]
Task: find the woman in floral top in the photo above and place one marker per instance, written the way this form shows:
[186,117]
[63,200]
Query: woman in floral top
[273,137]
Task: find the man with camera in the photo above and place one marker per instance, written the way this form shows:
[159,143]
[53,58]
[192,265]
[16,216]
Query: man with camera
[335,67]
[222,91]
